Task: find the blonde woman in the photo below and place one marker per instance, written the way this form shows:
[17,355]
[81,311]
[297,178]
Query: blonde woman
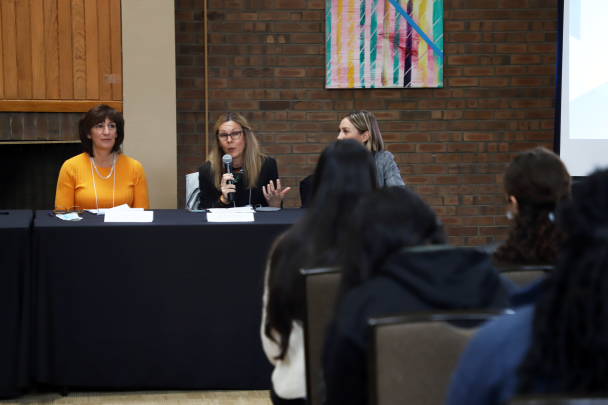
[363,127]
[255,176]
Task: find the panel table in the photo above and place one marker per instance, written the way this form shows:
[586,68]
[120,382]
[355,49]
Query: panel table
[15,229]
[173,303]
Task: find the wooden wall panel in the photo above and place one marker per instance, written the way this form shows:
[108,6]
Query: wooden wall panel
[92,49]
[52,50]
[24,49]
[79,49]
[9,44]
[105,55]
[38,52]
[1,61]
[116,35]
[60,55]
[64,25]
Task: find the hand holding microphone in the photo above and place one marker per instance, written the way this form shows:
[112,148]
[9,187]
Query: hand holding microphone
[227,186]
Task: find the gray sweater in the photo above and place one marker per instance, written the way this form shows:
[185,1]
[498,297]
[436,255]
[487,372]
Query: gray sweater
[387,170]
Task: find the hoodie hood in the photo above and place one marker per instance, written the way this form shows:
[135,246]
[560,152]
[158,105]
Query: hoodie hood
[447,277]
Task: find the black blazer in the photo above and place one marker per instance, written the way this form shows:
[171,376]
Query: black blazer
[210,195]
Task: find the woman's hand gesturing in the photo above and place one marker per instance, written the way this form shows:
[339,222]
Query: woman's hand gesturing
[274,196]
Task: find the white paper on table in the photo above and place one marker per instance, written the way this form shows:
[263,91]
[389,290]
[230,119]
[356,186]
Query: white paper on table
[129,216]
[233,209]
[230,217]
[124,207]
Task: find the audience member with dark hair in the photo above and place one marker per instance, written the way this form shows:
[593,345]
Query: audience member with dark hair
[559,345]
[535,182]
[345,172]
[395,262]
[101,177]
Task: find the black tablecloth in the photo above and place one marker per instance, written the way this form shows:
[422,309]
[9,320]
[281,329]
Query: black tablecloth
[14,308]
[173,303]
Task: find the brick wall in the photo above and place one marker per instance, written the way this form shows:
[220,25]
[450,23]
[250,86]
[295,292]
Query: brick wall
[19,126]
[266,60]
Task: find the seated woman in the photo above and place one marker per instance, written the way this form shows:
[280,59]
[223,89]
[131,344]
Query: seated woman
[101,177]
[362,126]
[253,173]
[346,171]
[535,182]
[395,261]
[558,345]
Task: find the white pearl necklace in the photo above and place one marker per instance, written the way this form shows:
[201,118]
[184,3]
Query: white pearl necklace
[97,171]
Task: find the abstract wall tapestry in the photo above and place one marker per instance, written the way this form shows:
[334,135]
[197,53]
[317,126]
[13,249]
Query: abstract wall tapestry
[384,43]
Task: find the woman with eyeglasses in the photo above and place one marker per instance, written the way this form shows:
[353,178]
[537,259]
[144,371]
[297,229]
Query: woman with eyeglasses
[255,176]
[101,177]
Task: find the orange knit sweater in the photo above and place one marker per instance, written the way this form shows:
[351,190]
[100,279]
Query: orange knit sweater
[75,184]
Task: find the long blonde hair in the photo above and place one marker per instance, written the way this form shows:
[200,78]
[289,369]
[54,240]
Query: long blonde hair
[252,159]
[365,121]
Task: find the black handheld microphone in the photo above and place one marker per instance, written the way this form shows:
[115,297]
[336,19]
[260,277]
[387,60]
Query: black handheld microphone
[227,160]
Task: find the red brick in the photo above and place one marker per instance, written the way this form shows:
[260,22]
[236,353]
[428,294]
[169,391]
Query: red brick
[463,82]
[462,60]
[417,179]
[283,72]
[447,179]
[307,148]
[242,105]
[276,149]
[525,59]
[322,116]
[400,148]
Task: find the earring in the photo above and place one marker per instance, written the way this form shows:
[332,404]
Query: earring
[509,215]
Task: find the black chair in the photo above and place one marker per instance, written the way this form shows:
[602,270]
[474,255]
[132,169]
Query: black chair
[522,275]
[558,400]
[321,290]
[306,189]
[412,355]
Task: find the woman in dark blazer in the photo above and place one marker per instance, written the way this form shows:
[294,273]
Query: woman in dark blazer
[254,174]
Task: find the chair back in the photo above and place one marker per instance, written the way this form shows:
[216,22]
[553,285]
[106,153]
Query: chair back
[321,290]
[192,191]
[412,355]
[522,275]
[557,400]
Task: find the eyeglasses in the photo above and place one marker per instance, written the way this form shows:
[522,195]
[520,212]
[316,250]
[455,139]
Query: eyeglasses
[235,135]
[63,210]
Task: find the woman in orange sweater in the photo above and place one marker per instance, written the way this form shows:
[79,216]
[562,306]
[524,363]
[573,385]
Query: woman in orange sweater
[101,177]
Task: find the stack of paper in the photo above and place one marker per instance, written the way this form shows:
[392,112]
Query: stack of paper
[238,214]
[123,213]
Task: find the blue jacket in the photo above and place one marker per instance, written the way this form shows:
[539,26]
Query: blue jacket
[487,372]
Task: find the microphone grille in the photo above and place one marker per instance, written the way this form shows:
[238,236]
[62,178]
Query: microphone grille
[227,159]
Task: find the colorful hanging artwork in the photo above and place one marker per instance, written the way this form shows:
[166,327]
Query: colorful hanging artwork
[384,43]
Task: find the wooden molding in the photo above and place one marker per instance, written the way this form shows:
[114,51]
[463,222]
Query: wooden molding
[55,105]
[34,142]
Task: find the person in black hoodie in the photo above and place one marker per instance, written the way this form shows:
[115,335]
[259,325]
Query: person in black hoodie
[396,261]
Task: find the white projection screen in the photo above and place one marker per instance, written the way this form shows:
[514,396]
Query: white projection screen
[581,136]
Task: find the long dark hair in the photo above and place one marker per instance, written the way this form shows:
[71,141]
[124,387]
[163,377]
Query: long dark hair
[345,172]
[383,223]
[569,350]
[539,181]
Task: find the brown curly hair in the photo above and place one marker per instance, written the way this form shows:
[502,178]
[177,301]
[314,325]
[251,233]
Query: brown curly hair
[539,181]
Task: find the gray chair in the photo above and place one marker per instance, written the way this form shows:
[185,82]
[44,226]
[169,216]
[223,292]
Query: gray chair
[522,275]
[558,400]
[192,191]
[412,355]
[321,290]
